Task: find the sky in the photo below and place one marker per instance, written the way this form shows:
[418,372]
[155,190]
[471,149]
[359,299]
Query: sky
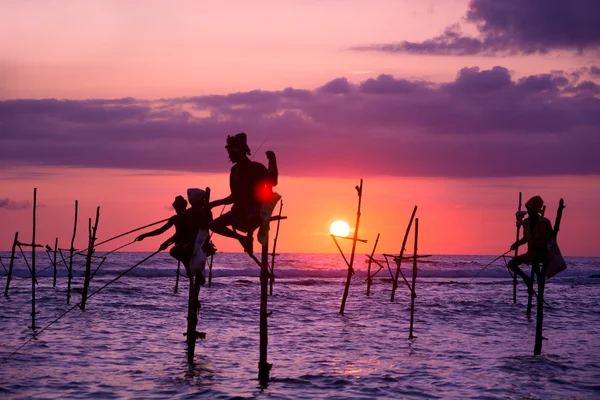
[454,106]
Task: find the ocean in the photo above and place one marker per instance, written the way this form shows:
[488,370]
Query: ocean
[471,340]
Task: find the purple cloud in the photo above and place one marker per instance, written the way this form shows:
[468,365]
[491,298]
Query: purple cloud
[13,205]
[513,27]
[483,123]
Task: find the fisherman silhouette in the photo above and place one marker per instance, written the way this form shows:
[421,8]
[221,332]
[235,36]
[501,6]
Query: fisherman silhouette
[180,205]
[537,232]
[251,185]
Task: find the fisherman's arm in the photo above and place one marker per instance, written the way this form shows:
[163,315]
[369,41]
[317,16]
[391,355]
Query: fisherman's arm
[168,242]
[273,172]
[158,231]
[221,202]
[518,243]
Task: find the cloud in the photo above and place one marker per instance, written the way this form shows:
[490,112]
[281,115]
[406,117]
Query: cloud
[483,123]
[511,27]
[12,205]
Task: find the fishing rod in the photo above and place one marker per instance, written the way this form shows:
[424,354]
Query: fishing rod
[131,231]
[493,261]
[77,305]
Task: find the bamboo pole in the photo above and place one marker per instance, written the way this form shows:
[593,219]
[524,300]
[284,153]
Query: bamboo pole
[369,277]
[33,279]
[272,276]
[10,267]
[263,366]
[354,240]
[54,261]
[71,250]
[177,277]
[541,284]
[210,271]
[399,260]
[517,252]
[88,260]
[414,281]
[535,270]
[194,304]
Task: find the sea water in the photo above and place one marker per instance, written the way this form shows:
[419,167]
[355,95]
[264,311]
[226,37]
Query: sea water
[471,340]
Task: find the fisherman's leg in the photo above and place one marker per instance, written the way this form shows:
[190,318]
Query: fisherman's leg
[220,226]
[513,265]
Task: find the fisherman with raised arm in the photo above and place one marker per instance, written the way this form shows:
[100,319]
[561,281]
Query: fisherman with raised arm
[537,232]
[251,185]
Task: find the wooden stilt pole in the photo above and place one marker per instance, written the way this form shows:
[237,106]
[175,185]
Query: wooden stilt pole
[210,271]
[194,304]
[71,250]
[369,277]
[33,280]
[177,277]
[88,260]
[535,270]
[263,366]
[541,284]
[354,240]
[399,259]
[272,276]
[414,281]
[12,259]
[517,252]
[54,261]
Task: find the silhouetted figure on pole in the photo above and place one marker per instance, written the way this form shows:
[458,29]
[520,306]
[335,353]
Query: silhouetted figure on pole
[537,232]
[251,185]
[180,205]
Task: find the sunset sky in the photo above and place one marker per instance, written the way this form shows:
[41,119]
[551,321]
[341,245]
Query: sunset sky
[451,105]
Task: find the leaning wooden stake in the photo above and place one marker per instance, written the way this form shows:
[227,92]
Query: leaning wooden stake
[272,276]
[33,279]
[399,259]
[194,304]
[54,261]
[177,277]
[369,277]
[517,251]
[541,284]
[414,281]
[12,259]
[88,260]
[210,264]
[71,250]
[354,240]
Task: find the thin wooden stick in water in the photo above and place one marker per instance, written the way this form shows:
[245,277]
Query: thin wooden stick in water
[414,281]
[54,262]
[88,260]
[71,250]
[399,260]
[210,270]
[177,278]
[354,240]
[33,279]
[272,277]
[10,267]
[517,253]
[263,366]
[369,277]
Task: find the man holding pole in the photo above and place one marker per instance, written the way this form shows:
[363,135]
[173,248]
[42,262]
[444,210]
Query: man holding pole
[537,232]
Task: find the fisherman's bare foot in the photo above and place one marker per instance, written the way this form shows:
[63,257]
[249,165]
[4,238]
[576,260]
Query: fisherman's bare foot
[247,243]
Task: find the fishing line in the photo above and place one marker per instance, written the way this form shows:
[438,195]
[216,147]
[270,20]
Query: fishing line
[36,334]
[493,261]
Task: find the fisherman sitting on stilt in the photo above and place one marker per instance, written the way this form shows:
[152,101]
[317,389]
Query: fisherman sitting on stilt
[537,232]
[191,222]
[251,185]
[180,205]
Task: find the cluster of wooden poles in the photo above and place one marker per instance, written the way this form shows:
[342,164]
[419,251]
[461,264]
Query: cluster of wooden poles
[267,278]
[396,258]
[541,272]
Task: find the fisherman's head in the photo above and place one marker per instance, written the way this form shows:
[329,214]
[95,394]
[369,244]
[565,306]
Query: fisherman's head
[180,204]
[534,205]
[237,148]
[196,197]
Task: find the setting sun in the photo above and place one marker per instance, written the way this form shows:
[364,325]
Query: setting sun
[339,228]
